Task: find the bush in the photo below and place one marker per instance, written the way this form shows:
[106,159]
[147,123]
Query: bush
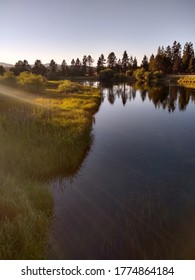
[8,78]
[139,74]
[70,87]
[31,81]
[2,70]
[106,75]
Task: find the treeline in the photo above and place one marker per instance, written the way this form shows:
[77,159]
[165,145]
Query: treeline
[169,60]
[54,71]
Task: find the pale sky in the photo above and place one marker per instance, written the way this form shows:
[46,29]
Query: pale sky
[67,29]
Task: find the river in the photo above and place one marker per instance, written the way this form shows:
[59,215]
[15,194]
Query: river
[134,195]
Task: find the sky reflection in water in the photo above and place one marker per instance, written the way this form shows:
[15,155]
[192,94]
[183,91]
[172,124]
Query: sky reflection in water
[134,197]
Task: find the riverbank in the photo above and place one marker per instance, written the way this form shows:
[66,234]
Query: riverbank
[43,136]
[187,81]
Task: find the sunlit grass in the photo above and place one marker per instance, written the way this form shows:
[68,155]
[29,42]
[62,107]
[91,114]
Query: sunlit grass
[187,81]
[45,138]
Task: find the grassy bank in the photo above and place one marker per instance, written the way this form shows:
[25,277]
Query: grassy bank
[187,81]
[42,137]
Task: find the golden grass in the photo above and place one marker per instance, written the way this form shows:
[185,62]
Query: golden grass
[187,81]
[45,138]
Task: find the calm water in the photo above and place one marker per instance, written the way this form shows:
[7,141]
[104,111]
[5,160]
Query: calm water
[134,197]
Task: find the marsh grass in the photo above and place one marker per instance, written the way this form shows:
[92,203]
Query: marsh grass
[45,139]
[26,208]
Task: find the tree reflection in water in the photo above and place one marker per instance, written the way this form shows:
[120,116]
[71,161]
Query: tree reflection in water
[163,97]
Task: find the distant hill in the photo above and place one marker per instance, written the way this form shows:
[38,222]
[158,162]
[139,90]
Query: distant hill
[6,65]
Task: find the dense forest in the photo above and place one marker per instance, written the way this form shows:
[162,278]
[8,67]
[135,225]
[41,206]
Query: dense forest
[170,60]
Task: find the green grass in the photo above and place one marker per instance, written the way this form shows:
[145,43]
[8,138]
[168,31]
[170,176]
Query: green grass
[25,212]
[45,138]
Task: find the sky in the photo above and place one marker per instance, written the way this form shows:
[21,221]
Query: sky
[67,29]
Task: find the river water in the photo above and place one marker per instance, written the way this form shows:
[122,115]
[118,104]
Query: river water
[134,196]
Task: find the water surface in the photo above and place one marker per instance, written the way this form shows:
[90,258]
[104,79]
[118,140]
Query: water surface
[134,196]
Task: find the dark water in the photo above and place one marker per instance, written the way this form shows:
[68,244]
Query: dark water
[134,197]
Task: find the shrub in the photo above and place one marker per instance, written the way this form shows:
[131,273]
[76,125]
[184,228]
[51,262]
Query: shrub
[70,87]
[139,74]
[31,81]
[8,78]
[106,75]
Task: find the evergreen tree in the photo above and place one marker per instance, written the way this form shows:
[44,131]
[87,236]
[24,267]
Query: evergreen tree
[145,63]
[188,53]
[90,64]
[100,63]
[84,65]
[152,63]
[119,67]
[191,68]
[176,57]
[53,67]
[72,67]
[130,62]
[176,65]
[64,68]
[168,55]
[52,70]
[2,70]
[125,62]
[20,66]
[90,61]
[135,63]
[39,68]
[111,60]
[77,67]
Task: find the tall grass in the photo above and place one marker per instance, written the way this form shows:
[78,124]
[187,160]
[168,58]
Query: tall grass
[38,143]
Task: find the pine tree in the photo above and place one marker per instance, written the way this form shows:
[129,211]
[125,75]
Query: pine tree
[188,53]
[135,63]
[125,62]
[176,65]
[191,68]
[39,68]
[145,63]
[100,63]
[176,57]
[111,60]
[130,62]
[90,64]
[64,68]
[20,66]
[152,63]
[84,65]
[53,67]
[77,67]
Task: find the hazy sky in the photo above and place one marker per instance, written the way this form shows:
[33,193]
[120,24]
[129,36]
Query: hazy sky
[66,29]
